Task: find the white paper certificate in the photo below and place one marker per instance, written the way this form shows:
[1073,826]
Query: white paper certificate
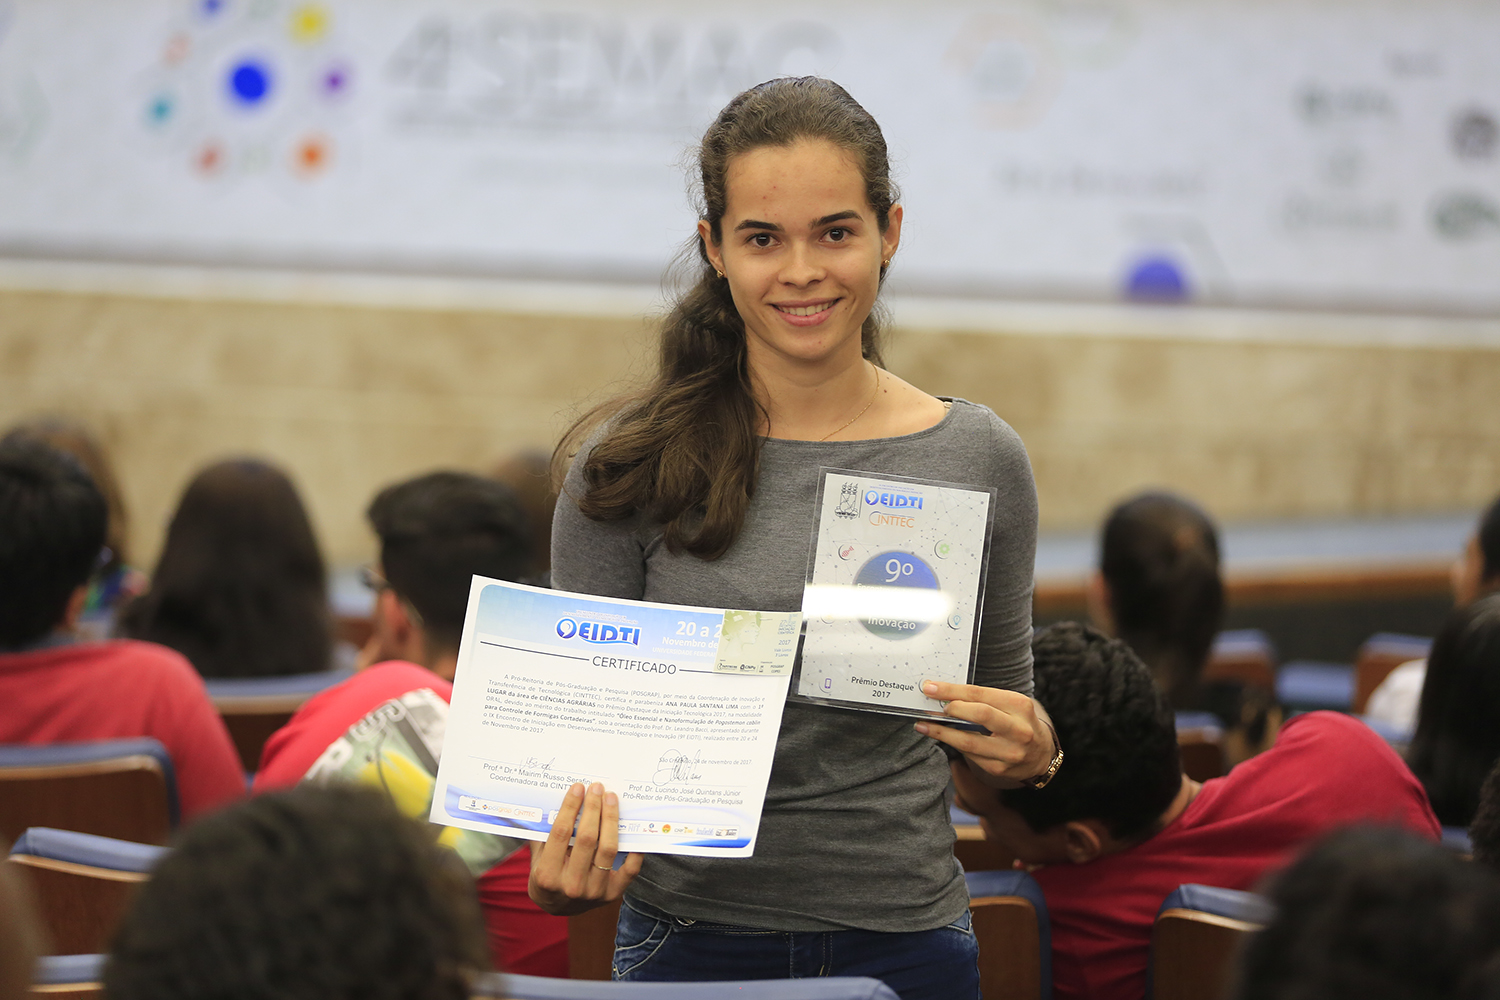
[894,586]
[675,709]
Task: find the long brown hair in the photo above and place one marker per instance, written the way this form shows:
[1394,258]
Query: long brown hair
[685,450]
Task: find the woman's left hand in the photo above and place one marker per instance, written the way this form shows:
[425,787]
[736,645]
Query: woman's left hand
[1017,743]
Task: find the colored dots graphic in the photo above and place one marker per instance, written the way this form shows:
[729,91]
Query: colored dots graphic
[334,81]
[309,23]
[210,158]
[177,49]
[159,109]
[249,82]
[212,8]
[311,156]
[1156,279]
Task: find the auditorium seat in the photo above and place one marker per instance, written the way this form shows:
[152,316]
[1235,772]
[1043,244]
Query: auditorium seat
[255,707]
[1378,656]
[124,789]
[1246,655]
[540,988]
[81,883]
[1309,685]
[974,852]
[1014,935]
[1457,840]
[68,977]
[1198,930]
[591,942]
[1200,741]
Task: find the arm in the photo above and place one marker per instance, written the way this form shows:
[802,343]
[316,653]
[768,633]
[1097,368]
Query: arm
[594,557]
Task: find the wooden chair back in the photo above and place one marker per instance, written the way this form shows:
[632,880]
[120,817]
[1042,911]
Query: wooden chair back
[68,991]
[591,942]
[1010,966]
[977,854]
[1192,954]
[126,797]
[1246,655]
[251,721]
[79,905]
[1202,753]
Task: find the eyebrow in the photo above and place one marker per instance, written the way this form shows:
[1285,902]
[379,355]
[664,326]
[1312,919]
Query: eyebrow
[773,227]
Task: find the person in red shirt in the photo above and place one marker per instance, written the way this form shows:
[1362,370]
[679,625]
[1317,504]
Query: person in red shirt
[57,688]
[384,725]
[1121,826]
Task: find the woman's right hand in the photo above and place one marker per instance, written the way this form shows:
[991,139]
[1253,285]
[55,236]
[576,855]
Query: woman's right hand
[567,880]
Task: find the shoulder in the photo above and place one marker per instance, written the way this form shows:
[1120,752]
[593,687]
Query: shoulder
[375,684]
[139,660]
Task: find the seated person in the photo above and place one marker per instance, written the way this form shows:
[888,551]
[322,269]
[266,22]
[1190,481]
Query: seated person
[309,894]
[1475,574]
[384,725]
[57,688]
[1121,826]
[1458,725]
[240,588]
[1377,914]
[1484,832]
[1159,588]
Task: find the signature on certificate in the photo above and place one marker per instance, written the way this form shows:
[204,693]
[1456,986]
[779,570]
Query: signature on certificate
[674,765]
[538,763]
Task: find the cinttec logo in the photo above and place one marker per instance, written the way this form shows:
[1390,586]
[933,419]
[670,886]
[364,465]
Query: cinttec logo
[893,501]
[599,632]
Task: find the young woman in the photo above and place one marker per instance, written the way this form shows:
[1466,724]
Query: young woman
[701,490]
[240,588]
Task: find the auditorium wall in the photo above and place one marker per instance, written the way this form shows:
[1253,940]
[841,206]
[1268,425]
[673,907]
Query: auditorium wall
[351,397]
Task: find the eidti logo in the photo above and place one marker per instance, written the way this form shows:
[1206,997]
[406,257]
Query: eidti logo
[848,502]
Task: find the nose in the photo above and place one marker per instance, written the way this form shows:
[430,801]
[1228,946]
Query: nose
[800,267]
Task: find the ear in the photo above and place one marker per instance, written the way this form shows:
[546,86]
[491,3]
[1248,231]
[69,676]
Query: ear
[1084,840]
[1099,599]
[391,636]
[74,610]
[714,251]
[891,238]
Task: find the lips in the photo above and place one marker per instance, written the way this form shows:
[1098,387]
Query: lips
[805,314]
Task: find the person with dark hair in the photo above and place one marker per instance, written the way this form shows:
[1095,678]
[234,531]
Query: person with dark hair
[1121,826]
[1159,588]
[315,893]
[1377,914]
[384,726]
[117,581]
[701,489]
[1484,831]
[1475,573]
[1458,722]
[58,688]
[240,588]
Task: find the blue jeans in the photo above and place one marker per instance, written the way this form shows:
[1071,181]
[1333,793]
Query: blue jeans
[653,946]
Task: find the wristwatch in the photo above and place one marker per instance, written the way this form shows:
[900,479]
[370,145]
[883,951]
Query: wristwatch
[1050,772]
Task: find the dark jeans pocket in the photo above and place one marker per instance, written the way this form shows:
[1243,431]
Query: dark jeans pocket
[640,932]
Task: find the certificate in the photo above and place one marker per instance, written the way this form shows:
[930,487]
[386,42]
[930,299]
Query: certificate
[895,583]
[675,709]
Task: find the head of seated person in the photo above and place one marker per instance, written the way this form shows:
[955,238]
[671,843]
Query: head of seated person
[1457,740]
[52,529]
[1159,588]
[317,893]
[1477,571]
[436,533]
[1484,832]
[1376,913]
[240,588]
[1121,779]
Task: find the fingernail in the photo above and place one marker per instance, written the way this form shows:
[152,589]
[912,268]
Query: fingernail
[929,687]
[596,789]
[922,728]
[574,792]
[611,799]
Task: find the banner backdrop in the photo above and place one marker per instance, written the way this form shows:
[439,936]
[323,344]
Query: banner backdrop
[1340,155]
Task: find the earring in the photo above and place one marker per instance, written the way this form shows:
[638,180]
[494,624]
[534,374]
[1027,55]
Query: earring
[718,272]
[886,262]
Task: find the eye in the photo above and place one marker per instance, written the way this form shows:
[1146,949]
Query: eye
[761,240]
[838,234]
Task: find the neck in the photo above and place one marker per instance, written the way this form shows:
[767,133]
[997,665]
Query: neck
[809,402]
[1185,795]
[444,664]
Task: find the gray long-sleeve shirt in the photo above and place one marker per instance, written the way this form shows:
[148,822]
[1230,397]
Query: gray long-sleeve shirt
[855,831]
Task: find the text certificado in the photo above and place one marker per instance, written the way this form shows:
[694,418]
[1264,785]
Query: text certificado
[675,709]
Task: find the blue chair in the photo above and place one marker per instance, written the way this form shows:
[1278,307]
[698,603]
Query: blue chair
[540,988]
[124,789]
[1309,685]
[82,883]
[1014,934]
[255,707]
[68,977]
[1198,930]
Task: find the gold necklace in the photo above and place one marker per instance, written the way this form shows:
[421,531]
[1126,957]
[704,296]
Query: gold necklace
[861,413]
